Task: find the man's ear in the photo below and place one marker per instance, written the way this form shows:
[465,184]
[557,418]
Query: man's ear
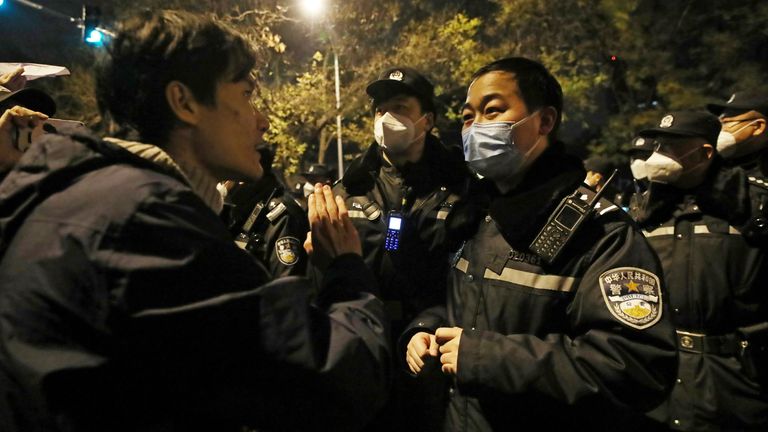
[430,121]
[548,119]
[760,127]
[709,150]
[182,102]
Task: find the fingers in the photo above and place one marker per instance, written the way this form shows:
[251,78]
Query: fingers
[445,334]
[308,244]
[311,210]
[433,346]
[330,204]
[416,350]
[322,213]
[22,118]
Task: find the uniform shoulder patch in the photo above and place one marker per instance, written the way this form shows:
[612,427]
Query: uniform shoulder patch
[632,295]
[287,250]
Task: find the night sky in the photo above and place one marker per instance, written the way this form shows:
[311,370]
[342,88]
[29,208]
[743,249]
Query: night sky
[29,35]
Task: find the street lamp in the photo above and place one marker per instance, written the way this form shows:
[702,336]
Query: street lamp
[314,9]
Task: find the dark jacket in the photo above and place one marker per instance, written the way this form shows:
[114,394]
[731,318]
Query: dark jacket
[277,234]
[125,306]
[716,277]
[568,345]
[413,277]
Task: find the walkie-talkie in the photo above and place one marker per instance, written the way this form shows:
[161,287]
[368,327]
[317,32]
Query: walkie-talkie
[244,237]
[564,222]
[394,224]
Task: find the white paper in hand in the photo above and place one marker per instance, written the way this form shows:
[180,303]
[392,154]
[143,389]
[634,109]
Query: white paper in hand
[33,71]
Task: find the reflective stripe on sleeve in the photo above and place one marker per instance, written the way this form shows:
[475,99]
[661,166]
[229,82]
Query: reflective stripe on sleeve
[534,280]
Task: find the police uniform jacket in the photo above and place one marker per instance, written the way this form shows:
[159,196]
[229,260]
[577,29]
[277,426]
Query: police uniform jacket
[277,235]
[716,277]
[568,345]
[125,306]
[413,277]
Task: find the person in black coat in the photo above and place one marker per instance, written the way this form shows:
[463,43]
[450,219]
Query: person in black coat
[124,303]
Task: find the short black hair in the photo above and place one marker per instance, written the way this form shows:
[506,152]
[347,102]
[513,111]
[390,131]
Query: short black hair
[538,87]
[154,48]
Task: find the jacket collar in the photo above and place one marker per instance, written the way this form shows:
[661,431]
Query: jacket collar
[724,193]
[522,212]
[440,164]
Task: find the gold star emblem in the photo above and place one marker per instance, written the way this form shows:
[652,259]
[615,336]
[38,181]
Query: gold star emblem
[632,286]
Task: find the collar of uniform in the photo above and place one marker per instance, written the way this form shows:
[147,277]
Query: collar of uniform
[724,193]
[439,165]
[522,212]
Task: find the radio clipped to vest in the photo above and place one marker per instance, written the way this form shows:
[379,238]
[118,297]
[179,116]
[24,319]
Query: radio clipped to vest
[564,222]
[247,231]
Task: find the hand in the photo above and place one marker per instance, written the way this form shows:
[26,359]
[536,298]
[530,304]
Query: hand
[422,344]
[11,121]
[449,338]
[13,80]
[332,233]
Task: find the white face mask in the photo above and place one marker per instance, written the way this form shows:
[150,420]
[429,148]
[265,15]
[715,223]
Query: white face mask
[726,141]
[395,132]
[661,168]
[638,169]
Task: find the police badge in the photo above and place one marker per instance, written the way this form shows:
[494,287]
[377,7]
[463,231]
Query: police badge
[632,295]
[287,250]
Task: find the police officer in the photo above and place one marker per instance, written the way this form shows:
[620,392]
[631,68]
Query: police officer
[533,343]
[692,216]
[400,193]
[267,222]
[743,142]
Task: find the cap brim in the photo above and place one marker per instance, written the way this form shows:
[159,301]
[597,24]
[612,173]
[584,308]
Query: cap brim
[654,132]
[32,99]
[716,109]
[385,89]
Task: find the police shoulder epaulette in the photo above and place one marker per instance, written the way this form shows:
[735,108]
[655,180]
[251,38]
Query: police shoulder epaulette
[758,181]
[602,207]
[276,210]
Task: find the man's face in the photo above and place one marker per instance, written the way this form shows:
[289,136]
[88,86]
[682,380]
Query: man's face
[690,152]
[230,133]
[402,105]
[495,97]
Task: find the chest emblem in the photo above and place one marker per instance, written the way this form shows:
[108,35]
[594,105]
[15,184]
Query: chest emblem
[632,295]
[287,250]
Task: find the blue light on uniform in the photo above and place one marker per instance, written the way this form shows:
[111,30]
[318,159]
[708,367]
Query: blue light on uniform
[94,37]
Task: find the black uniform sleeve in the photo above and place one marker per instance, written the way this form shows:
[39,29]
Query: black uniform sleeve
[599,356]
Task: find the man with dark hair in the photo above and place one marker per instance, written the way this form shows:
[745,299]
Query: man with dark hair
[124,303]
[693,215]
[555,313]
[400,194]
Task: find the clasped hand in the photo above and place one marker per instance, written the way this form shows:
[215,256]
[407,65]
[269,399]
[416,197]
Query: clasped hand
[445,343]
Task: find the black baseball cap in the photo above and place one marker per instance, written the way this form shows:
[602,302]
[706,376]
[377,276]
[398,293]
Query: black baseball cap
[30,98]
[403,80]
[686,123]
[741,102]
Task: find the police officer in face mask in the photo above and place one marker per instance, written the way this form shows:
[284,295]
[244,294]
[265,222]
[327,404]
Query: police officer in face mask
[743,142]
[743,138]
[534,341]
[400,194]
[693,216]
